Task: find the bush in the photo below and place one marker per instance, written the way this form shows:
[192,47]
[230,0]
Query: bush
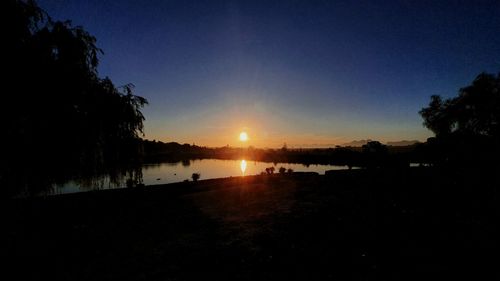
[270,170]
[196,176]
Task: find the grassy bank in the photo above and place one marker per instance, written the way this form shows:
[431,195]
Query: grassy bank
[347,225]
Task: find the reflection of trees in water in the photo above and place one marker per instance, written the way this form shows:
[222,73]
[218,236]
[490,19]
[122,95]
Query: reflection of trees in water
[186,163]
[154,166]
[130,178]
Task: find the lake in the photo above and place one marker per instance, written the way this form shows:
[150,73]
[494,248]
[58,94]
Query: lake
[163,173]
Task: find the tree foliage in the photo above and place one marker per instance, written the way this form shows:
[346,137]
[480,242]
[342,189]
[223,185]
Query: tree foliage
[374,147]
[467,127]
[59,116]
[474,112]
[375,154]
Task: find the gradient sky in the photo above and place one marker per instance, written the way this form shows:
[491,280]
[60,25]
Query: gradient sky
[308,73]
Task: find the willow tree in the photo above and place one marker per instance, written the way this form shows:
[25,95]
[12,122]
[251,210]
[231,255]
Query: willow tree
[60,119]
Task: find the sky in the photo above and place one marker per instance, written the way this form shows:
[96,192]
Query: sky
[304,73]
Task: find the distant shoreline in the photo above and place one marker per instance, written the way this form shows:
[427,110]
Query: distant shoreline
[157,152]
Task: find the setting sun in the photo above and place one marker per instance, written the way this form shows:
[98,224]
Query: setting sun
[243,136]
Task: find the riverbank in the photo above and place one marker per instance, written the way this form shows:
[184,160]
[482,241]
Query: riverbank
[405,224]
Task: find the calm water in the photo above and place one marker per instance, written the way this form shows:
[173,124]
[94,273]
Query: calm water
[208,168]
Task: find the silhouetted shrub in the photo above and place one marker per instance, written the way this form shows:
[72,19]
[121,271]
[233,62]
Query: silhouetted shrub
[270,170]
[282,170]
[196,176]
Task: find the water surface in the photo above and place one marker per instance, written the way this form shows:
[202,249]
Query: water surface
[208,168]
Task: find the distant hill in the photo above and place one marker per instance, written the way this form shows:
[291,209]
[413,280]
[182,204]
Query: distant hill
[402,143]
[359,143]
[356,143]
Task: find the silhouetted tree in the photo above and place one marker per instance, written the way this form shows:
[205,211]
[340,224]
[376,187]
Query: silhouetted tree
[61,120]
[375,154]
[467,127]
[282,170]
[475,111]
[374,147]
[437,117]
[284,148]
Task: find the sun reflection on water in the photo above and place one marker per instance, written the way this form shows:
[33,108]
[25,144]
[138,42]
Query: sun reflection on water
[243,166]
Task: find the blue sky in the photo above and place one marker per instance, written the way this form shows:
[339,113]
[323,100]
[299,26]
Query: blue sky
[308,73]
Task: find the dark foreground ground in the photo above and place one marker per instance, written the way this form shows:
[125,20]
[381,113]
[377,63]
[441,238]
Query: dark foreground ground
[413,224]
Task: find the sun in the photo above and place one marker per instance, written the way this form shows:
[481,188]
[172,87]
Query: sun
[243,136]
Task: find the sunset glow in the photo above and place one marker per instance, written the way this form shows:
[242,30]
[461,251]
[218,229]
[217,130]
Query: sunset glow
[244,68]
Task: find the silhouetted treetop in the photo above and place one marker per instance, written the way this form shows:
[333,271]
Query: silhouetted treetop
[58,110]
[374,147]
[467,127]
[475,111]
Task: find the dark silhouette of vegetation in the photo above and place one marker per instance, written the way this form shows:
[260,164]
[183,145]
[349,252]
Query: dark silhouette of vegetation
[475,111]
[284,148]
[374,147]
[270,170]
[282,170]
[157,151]
[61,120]
[196,176]
[375,154]
[467,127]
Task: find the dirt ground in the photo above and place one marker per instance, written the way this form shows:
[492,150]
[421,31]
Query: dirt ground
[348,225]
